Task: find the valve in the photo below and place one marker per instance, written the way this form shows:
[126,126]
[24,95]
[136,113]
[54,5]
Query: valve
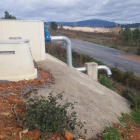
[47,36]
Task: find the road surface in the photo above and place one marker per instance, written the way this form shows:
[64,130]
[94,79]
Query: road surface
[108,56]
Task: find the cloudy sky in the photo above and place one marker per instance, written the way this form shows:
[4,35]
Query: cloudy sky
[120,11]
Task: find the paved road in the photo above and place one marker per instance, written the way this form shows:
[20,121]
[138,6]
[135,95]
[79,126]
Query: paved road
[107,55]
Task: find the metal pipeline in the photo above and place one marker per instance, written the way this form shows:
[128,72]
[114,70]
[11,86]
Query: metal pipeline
[105,68]
[69,55]
[68,46]
[81,69]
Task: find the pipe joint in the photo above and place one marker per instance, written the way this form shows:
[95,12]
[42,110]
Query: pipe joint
[105,68]
[69,52]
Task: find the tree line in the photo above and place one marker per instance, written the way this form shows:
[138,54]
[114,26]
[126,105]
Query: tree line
[8,16]
[131,37]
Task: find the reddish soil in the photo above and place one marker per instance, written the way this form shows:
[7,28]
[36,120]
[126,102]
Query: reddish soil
[135,133]
[131,133]
[136,58]
[11,104]
[25,85]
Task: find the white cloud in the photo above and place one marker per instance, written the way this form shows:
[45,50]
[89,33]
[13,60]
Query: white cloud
[73,10]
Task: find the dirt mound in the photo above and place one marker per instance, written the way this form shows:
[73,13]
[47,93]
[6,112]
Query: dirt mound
[96,105]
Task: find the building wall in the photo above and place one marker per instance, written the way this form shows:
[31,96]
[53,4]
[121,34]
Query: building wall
[31,30]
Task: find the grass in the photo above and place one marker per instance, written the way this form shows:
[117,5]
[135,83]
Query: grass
[110,39]
[111,134]
[132,97]
[122,131]
[80,59]
[127,51]
[134,117]
[99,62]
[114,47]
[126,121]
[129,74]
[138,51]
[114,133]
[106,81]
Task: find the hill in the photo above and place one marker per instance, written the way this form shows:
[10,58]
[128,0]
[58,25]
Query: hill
[134,25]
[87,23]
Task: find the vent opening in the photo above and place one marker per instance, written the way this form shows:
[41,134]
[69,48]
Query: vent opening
[7,52]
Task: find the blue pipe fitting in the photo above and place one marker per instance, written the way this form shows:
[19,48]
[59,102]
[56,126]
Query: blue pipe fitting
[47,36]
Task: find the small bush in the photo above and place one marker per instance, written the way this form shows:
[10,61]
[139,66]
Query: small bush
[105,81]
[111,134]
[133,98]
[127,51]
[48,116]
[134,116]
[138,51]
[114,47]
[99,62]
[127,36]
[61,27]
[128,74]
[54,25]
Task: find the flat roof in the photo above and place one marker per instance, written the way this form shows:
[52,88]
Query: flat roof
[21,20]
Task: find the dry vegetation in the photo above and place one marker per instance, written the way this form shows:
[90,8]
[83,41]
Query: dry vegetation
[90,29]
[110,39]
[126,84]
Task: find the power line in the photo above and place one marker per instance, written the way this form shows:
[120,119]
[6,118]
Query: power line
[81,4]
[40,4]
[60,4]
[51,8]
[48,7]
[52,1]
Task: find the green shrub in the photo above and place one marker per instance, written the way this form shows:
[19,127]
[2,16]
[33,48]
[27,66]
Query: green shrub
[138,51]
[48,116]
[136,36]
[127,93]
[54,25]
[61,27]
[127,51]
[127,36]
[133,98]
[111,134]
[114,47]
[99,62]
[134,116]
[106,81]
[128,74]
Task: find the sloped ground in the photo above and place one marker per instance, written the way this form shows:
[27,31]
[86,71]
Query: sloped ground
[96,105]
[11,105]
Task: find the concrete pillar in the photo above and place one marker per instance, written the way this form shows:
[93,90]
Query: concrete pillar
[92,70]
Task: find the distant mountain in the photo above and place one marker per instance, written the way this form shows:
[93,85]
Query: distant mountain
[87,23]
[134,25]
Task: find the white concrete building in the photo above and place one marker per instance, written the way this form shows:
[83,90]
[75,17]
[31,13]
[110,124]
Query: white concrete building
[26,29]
